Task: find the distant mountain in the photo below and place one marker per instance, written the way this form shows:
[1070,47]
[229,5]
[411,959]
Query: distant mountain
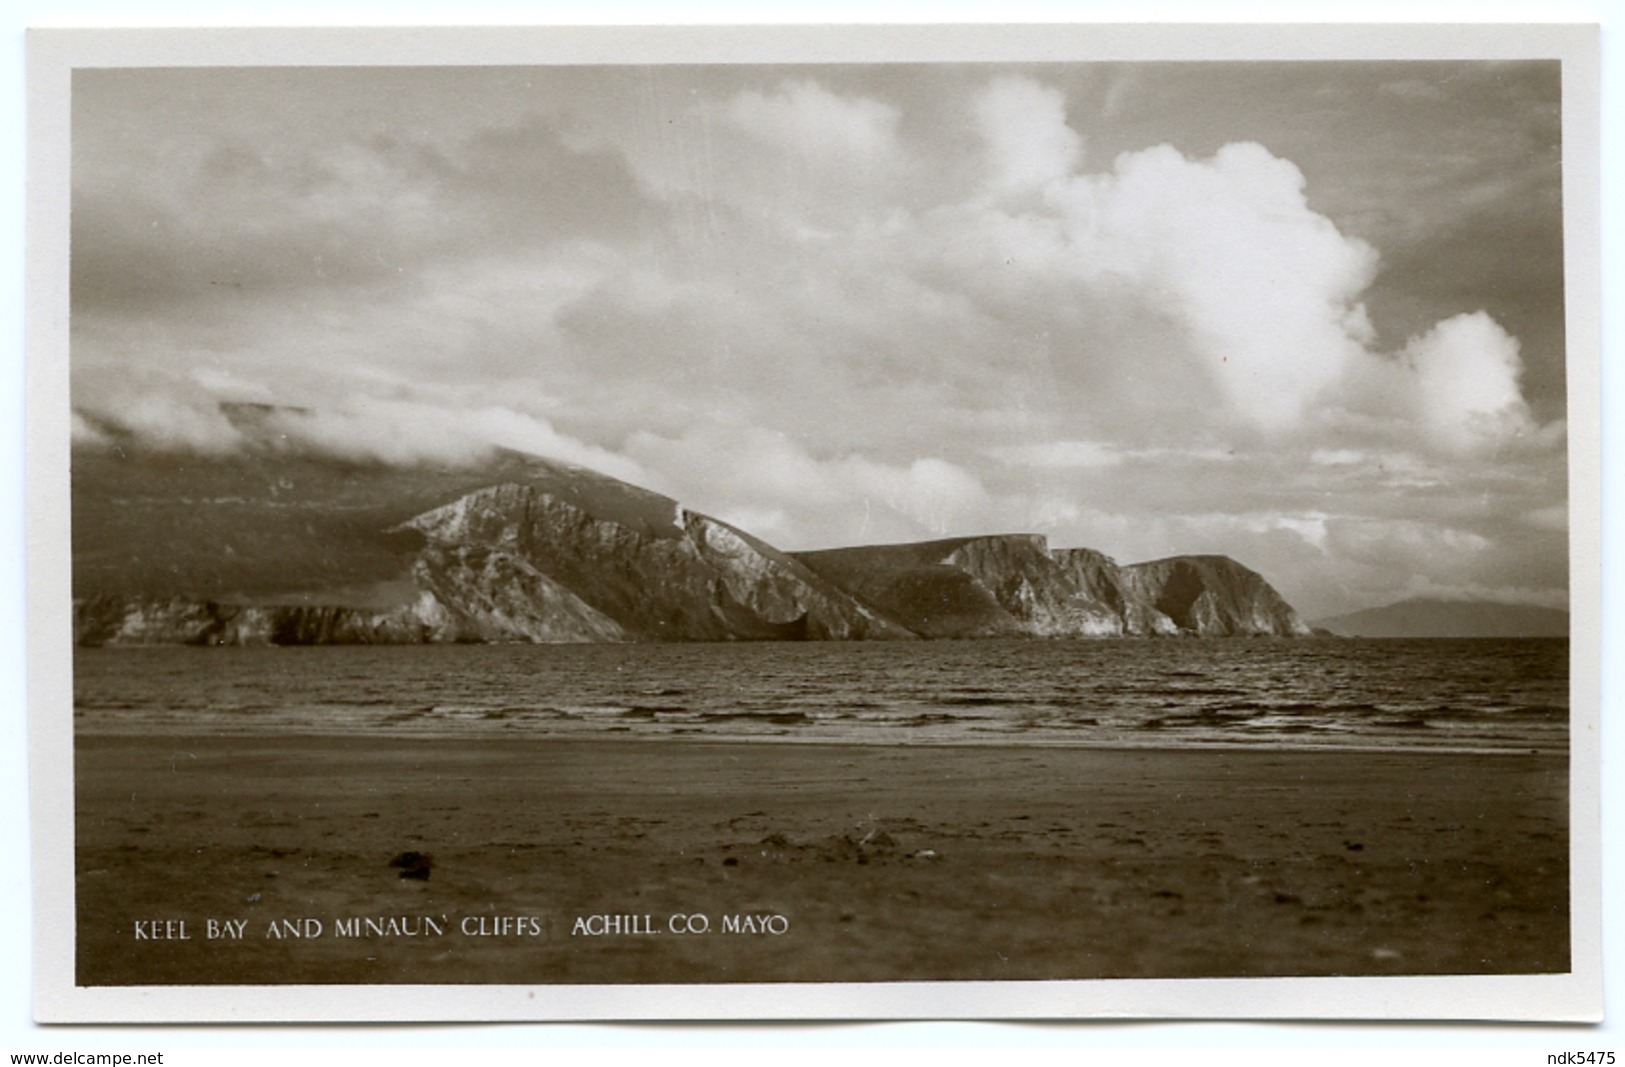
[1450,618]
[268,548]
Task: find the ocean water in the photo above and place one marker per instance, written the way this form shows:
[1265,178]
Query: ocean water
[1451,694]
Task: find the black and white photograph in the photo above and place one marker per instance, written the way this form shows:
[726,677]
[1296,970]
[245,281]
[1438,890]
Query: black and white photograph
[1093,523]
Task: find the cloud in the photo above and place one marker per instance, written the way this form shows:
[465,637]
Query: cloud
[1466,372]
[1553,519]
[1391,560]
[1216,272]
[215,222]
[359,429]
[1029,143]
[1060,454]
[403,433]
[83,432]
[1266,288]
[824,130]
[1165,301]
[764,481]
[796,159]
[1217,280]
[157,410]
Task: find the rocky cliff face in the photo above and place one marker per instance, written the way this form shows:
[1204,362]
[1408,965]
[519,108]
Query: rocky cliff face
[694,579]
[517,562]
[259,551]
[1207,596]
[1015,585]
[142,620]
[1072,594]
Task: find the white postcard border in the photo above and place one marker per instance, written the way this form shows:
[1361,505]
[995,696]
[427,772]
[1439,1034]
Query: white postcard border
[53,54]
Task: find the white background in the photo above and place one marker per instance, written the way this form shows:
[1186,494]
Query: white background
[1106,1042]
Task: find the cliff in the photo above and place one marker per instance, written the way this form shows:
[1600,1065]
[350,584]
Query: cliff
[1208,596]
[266,549]
[135,620]
[690,579]
[1015,585]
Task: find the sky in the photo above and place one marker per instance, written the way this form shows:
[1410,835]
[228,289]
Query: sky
[1308,315]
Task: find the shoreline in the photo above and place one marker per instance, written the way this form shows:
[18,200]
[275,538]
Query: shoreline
[916,862]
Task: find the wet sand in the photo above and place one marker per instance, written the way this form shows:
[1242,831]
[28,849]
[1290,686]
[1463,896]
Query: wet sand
[852,863]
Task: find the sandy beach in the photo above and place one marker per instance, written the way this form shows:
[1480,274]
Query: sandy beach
[252,860]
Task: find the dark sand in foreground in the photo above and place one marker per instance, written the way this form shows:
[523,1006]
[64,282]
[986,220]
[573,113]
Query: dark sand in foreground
[885,863]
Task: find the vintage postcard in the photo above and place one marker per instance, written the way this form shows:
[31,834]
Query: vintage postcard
[971,522]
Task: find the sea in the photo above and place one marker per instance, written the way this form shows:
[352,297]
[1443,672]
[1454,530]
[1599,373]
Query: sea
[1474,695]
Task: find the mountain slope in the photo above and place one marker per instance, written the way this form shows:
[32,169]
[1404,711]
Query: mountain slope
[1450,618]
